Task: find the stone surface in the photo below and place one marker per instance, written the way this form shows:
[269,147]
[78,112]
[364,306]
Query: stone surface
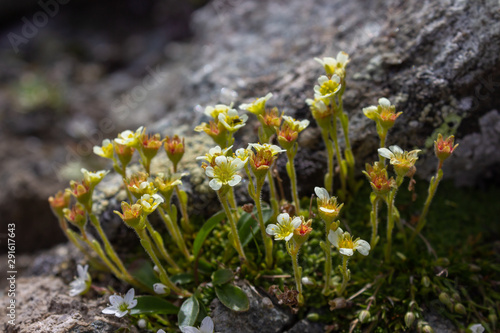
[43,306]
[263,316]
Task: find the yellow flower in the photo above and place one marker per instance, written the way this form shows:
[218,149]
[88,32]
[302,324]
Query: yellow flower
[149,203]
[232,121]
[383,114]
[335,65]
[343,241]
[285,227]
[129,138]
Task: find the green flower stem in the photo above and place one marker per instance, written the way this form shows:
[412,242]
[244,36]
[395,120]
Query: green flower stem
[273,193]
[374,222]
[329,151]
[297,270]
[232,201]
[108,247]
[146,243]
[345,275]
[97,248]
[175,232]
[382,137]
[71,236]
[234,231]
[122,171]
[432,191]
[328,261]
[186,225]
[390,218]
[333,134]
[268,242]
[290,167]
[344,121]
[77,240]
[158,241]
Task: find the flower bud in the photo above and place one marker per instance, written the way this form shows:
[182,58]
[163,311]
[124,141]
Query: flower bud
[313,316]
[124,153]
[364,316]
[132,215]
[76,215]
[443,148]
[59,202]
[141,323]
[427,329]
[409,319]
[426,282]
[445,299]
[337,303]
[460,309]
[174,148]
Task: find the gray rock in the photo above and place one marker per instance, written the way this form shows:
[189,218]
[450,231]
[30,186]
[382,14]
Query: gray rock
[305,326]
[263,316]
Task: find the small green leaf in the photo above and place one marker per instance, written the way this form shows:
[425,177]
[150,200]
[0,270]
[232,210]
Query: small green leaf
[205,230]
[232,297]
[248,227]
[222,276]
[182,278]
[153,305]
[146,274]
[188,312]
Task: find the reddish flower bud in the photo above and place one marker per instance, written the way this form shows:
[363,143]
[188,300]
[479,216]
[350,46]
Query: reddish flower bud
[76,215]
[175,149]
[59,202]
[443,148]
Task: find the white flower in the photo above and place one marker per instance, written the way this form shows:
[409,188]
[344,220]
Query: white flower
[213,153]
[232,121]
[258,107]
[273,149]
[328,64]
[343,241]
[160,288]
[207,326]
[82,283]
[93,178]
[149,203]
[129,138]
[106,150]
[402,161]
[284,229]
[120,306]
[224,172]
[215,111]
[476,328]
[296,125]
[327,86]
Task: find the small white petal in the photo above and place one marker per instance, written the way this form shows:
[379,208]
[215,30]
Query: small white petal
[335,78]
[109,310]
[476,328]
[322,79]
[396,149]
[220,160]
[271,229]
[160,331]
[384,152]
[129,296]
[363,247]
[215,184]
[283,218]
[290,235]
[326,210]
[346,252]
[189,329]
[207,325]
[342,57]
[333,236]
[120,314]
[115,300]
[235,180]
[209,171]
[384,102]
[296,222]
[321,193]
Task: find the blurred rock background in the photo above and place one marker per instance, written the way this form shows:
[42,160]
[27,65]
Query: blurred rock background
[75,72]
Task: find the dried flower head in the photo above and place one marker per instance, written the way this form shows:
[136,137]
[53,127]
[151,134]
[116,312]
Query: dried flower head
[132,215]
[60,201]
[76,215]
[379,181]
